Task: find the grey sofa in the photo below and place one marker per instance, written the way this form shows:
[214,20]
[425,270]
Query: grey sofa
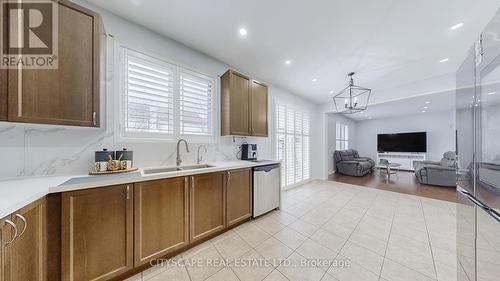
[441,173]
[348,162]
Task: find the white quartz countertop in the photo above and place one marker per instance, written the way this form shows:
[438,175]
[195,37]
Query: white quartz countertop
[17,193]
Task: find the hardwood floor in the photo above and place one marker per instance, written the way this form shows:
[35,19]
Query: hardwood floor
[404,183]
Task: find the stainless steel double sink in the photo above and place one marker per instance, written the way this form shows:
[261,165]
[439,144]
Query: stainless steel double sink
[175,169]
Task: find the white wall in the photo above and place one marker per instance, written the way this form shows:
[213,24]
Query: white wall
[332,119]
[35,150]
[440,128]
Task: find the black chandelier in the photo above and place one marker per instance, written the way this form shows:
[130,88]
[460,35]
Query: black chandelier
[352,99]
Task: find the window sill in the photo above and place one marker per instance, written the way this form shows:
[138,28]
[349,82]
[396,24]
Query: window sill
[190,139]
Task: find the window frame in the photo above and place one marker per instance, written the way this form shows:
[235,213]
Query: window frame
[119,100]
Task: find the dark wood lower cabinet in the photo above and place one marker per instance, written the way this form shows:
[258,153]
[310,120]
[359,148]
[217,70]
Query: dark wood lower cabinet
[97,233]
[110,233]
[161,218]
[207,205]
[23,251]
[239,196]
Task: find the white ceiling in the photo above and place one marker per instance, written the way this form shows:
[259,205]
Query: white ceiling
[436,102]
[389,43]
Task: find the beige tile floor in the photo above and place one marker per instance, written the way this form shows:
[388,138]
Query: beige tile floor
[378,235]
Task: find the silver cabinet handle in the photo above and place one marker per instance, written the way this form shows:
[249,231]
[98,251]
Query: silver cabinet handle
[25,225]
[128,192]
[13,225]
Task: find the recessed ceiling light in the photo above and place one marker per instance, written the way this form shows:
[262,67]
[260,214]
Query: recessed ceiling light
[243,32]
[314,80]
[444,60]
[457,26]
[427,102]
[423,111]
[491,93]
[425,107]
[331,92]
[288,62]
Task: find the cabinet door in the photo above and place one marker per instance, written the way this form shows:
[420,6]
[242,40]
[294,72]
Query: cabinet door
[207,205]
[24,258]
[259,109]
[239,104]
[3,233]
[3,94]
[96,233]
[68,95]
[161,218]
[239,196]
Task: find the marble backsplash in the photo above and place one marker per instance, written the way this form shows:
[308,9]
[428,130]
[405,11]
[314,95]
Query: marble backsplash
[38,150]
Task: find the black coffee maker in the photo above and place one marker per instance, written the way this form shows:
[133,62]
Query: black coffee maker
[248,151]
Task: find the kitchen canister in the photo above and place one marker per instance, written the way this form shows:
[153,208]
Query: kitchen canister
[127,156]
[101,159]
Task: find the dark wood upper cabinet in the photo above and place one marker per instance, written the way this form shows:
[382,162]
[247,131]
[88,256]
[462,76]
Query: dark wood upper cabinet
[68,95]
[97,233]
[259,121]
[243,106]
[239,196]
[24,257]
[161,218]
[207,205]
[235,104]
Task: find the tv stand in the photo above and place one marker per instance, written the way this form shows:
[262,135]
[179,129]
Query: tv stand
[406,159]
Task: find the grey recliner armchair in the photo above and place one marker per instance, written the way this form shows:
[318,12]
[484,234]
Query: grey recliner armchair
[348,162]
[441,173]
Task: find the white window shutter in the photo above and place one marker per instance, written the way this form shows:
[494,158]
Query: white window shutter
[164,101]
[148,86]
[196,99]
[292,144]
[306,158]
[290,160]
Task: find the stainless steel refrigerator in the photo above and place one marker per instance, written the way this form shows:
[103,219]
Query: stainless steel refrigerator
[478,150]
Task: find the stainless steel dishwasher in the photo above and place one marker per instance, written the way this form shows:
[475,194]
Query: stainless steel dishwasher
[266,189]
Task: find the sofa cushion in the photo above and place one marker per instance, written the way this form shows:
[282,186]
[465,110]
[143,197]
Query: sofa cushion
[365,165]
[344,155]
[351,154]
[448,159]
[355,153]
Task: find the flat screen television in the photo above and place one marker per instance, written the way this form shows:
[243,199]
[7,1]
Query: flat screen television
[403,142]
